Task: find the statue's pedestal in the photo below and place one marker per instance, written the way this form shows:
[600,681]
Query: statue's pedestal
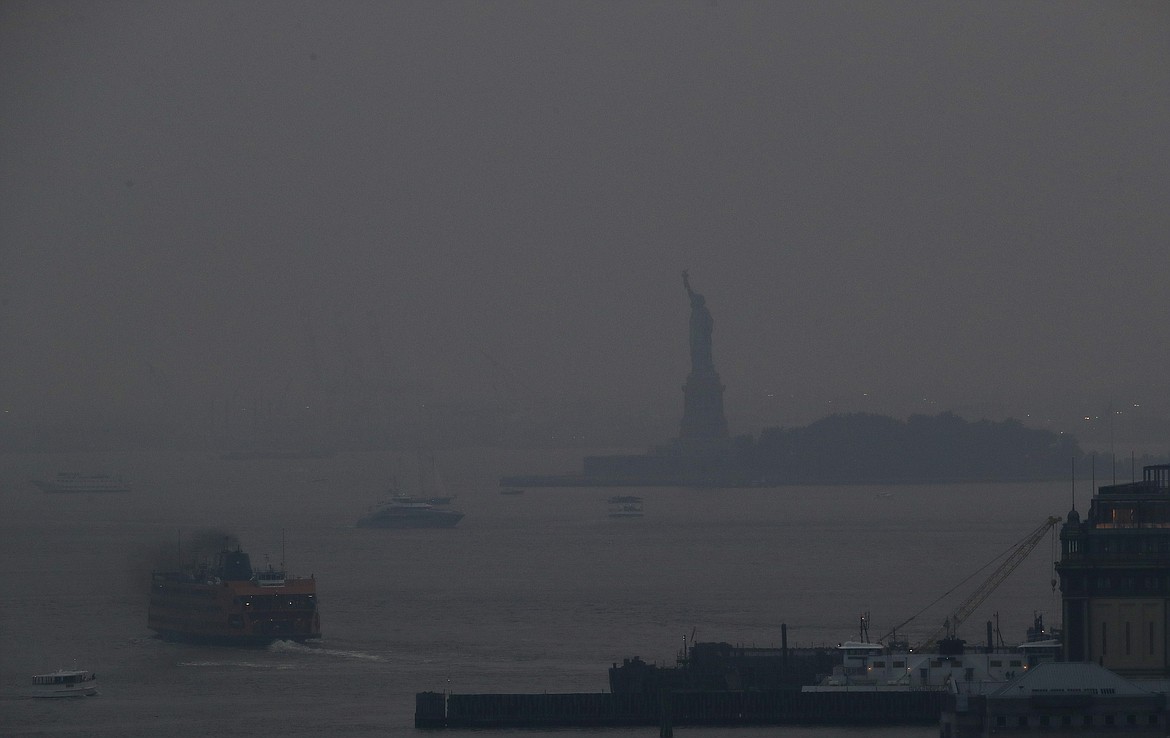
[703,418]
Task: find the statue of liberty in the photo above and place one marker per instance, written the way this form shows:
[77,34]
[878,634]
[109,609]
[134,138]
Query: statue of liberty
[701,327]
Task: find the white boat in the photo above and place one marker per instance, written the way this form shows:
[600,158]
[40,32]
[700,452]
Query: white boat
[74,482]
[625,506]
[405,498]
[65,683]
[428,509]
[871,667]
[409,512]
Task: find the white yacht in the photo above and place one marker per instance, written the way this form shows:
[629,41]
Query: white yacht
[401,511]
[74,482]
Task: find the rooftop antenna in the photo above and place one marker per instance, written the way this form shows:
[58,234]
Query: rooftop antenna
[1073,491]
[1112,450]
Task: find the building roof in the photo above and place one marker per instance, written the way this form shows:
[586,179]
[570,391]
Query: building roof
[1065,678]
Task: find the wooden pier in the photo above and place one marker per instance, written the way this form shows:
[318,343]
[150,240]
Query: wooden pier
[604,709]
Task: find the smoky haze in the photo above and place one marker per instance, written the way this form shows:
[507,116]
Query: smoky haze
[190,549]
[348,217]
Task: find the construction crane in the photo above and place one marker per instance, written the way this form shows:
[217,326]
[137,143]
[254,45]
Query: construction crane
[1017,554]
[976,598]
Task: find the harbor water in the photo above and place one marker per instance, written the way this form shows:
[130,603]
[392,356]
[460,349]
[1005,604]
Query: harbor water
[533,592]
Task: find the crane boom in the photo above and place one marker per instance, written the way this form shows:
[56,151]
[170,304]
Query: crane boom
[976,598]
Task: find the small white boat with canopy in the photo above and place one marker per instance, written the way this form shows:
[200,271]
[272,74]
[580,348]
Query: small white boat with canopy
[65,683]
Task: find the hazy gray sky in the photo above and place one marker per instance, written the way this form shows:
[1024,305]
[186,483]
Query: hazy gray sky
[890,206]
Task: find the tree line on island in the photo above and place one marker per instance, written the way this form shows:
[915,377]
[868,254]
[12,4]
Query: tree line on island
[864,447]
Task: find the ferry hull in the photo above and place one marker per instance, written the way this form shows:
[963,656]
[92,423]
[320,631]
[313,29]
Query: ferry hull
[255,641]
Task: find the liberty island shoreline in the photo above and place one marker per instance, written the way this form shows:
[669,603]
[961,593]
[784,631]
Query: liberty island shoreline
[856,448]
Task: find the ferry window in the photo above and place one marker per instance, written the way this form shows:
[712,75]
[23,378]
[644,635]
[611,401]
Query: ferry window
[1066,721]
[902,664]
[1131,719]
[996,663]
[1044,721]
[969,674]
[879,664]
[1109,720]
[1001,722]
[1015,662]
[1087,721]
[1022,721]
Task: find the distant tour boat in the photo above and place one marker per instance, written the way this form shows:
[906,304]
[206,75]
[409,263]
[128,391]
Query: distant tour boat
[65,683]
[74,482]
[625,506]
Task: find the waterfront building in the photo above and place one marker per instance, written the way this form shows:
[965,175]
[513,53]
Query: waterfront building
[1057,698]
[1114,574]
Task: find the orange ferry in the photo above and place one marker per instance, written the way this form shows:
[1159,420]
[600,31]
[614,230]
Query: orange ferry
[229,603]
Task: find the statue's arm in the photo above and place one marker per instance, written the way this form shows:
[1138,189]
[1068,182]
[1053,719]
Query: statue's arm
[687,283]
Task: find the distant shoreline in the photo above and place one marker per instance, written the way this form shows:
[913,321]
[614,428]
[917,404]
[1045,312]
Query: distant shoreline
[850,449]
[581,481]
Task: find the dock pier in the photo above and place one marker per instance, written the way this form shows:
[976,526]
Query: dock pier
[435,710]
